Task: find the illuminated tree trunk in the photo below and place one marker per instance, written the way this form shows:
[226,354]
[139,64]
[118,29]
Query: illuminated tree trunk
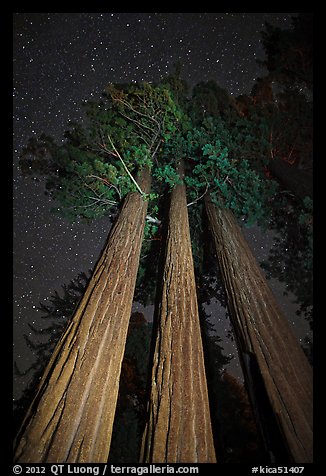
[179,426]
[264,337]
[71,417]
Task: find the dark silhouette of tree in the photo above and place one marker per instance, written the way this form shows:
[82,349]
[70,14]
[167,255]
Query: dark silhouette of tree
[132,400]
[290,259]
[55,314]
[209,99]
[239,434]
[288,121]
[63,382]
[289,52]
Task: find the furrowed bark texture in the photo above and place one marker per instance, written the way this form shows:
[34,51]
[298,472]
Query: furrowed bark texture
[262,330]
[71,417]
[179,425]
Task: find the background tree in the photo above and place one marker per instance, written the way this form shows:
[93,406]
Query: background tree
[132,400]
[289,52]
[239,434]
[55,316]
[289,60]
[209,99]
[284,126]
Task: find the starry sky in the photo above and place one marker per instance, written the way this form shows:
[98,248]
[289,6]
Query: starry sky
[61,59]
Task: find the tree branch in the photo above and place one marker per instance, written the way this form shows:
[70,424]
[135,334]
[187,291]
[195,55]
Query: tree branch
[124,165]
[109,184]
[150,219]
[198,198]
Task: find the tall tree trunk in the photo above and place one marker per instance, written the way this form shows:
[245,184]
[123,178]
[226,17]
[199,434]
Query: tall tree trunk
[262,333]
[293,179]
[71,417]
[179,425]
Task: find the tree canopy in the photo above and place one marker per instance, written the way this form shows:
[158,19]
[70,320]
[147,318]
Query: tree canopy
[227,145]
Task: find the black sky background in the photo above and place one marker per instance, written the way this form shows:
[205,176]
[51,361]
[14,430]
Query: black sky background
[61,59]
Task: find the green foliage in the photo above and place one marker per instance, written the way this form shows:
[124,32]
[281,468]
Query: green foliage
[199,234]
[228,158]
[151,197]
[152,221]
[231,183]
[98,164]
[226,145]
[141,126]
[305,217]
[150,252]
[168,175]
[209,100]
[177,86]
[150,230]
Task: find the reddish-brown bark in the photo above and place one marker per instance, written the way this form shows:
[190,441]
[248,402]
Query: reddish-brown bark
[261,330]
[71,417]
[179,424]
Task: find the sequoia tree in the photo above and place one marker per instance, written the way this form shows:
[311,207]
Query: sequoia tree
[264,337]
[179,426]
[71,416]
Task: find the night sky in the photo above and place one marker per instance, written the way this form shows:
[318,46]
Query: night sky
[61,59]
